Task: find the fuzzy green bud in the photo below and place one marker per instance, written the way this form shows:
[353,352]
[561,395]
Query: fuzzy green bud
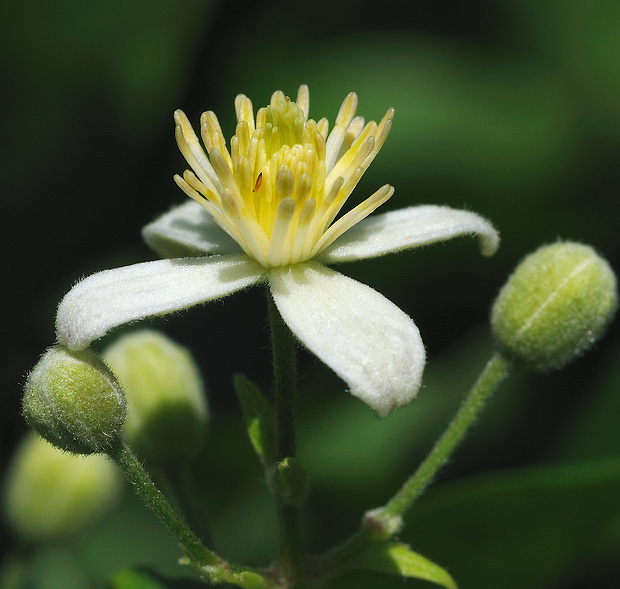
[556,304]
[166,403]
[74,401]
[51,494]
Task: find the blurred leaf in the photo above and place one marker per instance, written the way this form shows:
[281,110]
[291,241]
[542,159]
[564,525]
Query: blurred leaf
[595,432]
[129,579]
[68,62]
[581,38]
[344,445]
[522,528]
[13,572]
[131,537]
[396,558]
[55,567]
[259,418]
[245,527]
[348,446]
[463,117]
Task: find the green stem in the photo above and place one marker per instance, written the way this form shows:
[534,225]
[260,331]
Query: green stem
[285,381]
[195,550]
[381,524]
[491,377]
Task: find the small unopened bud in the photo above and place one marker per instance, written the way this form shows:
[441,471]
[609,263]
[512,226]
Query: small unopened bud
[556,304]
[381,527]
[166,402]
[50,494]
[74,401]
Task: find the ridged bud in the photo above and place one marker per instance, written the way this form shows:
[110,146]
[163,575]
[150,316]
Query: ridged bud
[166,403]
[74,401]
[556,304]
[50,494]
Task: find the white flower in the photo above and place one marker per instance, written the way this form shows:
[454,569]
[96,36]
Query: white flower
[267,211]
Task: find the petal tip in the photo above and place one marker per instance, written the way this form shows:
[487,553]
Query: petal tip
[489,242]
[395,395]
[364,338]
[70,327]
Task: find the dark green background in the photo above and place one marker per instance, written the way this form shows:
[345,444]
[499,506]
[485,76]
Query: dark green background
[509,108]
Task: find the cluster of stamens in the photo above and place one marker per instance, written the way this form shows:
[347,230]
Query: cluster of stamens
[279,189]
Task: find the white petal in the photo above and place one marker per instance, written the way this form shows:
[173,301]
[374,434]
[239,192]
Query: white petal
[367,340]
[408,228]
[188,230]
[114,297]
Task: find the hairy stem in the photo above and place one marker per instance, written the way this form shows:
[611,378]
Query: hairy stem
[383,523]
[495,371]
[285,385]
[195,550]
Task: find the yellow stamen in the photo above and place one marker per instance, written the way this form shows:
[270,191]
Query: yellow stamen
[279,190]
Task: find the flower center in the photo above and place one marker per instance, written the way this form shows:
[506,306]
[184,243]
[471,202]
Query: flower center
[284,181]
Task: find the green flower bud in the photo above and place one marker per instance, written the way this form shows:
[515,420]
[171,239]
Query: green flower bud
[556,304]
[166,403]
[51,494]
[74,401]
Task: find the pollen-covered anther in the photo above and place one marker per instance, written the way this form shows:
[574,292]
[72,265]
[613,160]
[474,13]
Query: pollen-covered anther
[245,111]
[353,217]
[284,182]
[279,250]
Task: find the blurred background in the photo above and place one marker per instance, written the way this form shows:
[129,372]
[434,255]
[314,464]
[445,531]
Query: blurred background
[508,108]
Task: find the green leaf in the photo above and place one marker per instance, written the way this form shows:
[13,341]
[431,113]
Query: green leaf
[49,566]
[248,579]
[396,558]
[530,527]
[129,579]
[129,537]
[259,418]
[594,433]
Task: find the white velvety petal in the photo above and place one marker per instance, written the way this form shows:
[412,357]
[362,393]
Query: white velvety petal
[408,228]
[188,230]
[367,340]
[113,297]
